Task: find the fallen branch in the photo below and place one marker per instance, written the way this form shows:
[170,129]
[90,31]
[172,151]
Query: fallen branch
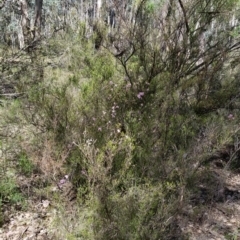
[12,94]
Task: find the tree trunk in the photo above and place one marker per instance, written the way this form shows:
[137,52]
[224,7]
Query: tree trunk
[38,19]
[25,24]
[99,5]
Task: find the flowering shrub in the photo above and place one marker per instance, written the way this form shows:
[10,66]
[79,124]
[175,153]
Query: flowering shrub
[133,128]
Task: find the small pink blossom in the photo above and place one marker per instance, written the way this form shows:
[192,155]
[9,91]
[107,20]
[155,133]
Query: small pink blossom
[230,116]
[140,95]
[62,181]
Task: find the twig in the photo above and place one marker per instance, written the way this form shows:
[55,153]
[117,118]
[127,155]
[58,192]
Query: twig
[185,16]
[20,237]
[232,158]
[12,94]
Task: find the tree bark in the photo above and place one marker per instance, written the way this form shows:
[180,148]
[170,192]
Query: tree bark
[25,24]
[38,19]
[2,4]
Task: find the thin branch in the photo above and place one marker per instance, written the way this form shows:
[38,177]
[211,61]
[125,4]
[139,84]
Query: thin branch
[185,16]
[11,94]
[232,158]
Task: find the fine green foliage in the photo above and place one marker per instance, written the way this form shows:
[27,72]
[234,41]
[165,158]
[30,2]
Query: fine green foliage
[132,115]
[25,165]
[9,191]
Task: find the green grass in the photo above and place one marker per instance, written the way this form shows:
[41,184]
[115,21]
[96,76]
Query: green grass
[25,165]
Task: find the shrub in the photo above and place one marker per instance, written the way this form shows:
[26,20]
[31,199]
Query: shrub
[25,165]
[9,191]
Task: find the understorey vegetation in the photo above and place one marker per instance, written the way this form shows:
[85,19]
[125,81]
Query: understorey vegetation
[132,110]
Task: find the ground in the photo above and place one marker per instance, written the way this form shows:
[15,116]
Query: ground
[40,218]
[217,218]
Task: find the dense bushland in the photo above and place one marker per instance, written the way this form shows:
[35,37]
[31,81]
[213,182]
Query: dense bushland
[133,121]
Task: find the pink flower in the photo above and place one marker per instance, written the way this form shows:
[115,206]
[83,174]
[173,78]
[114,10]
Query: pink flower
[62,181]
[140,95]
[230,116]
